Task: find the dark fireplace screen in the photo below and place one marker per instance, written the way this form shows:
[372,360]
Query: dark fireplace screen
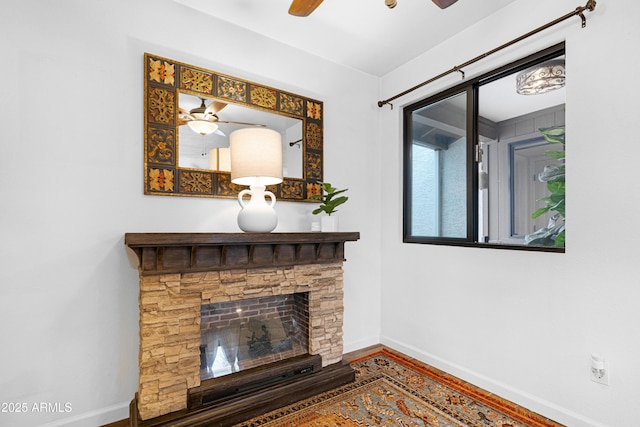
[243,334]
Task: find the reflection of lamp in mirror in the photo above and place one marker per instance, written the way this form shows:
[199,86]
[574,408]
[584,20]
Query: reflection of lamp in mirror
[541,78]
[256,161]
[220,159]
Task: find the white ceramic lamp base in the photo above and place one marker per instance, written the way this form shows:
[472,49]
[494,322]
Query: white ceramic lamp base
[257,216]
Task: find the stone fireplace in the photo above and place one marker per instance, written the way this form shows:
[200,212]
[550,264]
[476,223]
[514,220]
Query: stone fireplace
[183,275]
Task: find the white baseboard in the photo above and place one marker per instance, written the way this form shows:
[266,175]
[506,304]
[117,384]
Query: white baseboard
[519,397]
[98,417]
[534,403]
[360,344]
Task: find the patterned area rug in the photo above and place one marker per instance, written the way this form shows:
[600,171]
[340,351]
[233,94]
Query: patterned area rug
[394,390]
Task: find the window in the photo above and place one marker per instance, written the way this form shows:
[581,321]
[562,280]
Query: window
[484,161]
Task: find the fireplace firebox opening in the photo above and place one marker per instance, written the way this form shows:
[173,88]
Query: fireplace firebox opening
[239,335]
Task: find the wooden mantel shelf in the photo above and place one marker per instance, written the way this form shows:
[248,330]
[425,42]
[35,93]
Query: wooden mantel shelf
[162,253]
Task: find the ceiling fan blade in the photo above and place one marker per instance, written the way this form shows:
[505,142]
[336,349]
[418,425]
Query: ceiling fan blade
[240,123]
[443,4]
[214,107]
[303,7]
[183,117]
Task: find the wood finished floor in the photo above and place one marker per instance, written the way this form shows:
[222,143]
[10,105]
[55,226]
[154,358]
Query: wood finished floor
[349,357]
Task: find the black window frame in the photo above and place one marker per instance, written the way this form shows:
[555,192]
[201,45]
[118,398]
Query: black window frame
[471,87]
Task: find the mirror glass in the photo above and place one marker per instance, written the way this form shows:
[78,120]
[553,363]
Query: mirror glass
[194,149]
[182,159]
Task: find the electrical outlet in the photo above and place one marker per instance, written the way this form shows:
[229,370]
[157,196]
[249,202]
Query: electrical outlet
[599,369]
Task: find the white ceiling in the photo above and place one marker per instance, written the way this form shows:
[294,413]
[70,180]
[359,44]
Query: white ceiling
[361,34]
[368,36]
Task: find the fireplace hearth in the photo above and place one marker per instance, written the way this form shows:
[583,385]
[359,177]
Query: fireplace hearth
[186,278]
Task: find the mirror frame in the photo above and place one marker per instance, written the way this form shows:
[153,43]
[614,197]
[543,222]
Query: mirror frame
[164,78]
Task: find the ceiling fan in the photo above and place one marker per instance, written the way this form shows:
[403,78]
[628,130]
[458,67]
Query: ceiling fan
[204,119]
[305,7]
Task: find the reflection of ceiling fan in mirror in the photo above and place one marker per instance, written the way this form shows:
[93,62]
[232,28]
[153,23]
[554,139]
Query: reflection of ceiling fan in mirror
[305,7]
[204,119]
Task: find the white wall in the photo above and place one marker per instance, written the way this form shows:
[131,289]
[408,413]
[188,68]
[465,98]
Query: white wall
[525,324]
[71,185]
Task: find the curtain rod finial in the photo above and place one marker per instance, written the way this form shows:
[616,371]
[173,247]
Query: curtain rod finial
[590,6]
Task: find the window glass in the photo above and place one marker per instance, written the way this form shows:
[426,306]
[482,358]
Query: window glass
[513,160]
[500,181]
[438,164]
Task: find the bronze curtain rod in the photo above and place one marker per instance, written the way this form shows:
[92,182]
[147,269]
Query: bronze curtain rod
[590,6]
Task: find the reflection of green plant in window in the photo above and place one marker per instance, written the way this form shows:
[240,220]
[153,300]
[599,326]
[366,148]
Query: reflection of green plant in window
[554,175]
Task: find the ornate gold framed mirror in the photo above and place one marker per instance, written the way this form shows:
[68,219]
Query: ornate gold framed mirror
[181,159]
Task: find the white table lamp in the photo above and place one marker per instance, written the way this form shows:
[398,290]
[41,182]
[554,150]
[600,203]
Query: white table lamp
[256,161]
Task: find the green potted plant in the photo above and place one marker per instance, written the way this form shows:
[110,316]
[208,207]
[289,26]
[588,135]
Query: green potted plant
[554,176]
[331,199]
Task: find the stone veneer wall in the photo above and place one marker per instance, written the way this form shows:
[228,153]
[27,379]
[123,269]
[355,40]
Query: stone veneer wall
[169,357]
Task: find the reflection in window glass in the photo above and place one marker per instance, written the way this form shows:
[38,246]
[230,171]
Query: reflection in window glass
[514,155]
[527,162]
[503,131]
[438,179]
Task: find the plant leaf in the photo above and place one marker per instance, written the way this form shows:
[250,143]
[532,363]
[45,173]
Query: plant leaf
[328,188]
[554,135]
[340,200]
[328,198]
[557,187]
[555,130]
[539,212]
[555,154]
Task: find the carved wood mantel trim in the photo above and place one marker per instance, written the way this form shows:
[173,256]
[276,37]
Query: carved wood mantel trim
[160,253]
[181,271]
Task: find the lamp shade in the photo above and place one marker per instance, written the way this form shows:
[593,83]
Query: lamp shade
[542,78]
[256,156]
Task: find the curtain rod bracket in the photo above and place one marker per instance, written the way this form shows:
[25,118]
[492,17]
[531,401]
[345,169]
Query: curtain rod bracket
[584,20]
[579,11]
[460,71]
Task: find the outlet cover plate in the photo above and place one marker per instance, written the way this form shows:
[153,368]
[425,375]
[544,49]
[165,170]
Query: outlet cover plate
[605,378]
